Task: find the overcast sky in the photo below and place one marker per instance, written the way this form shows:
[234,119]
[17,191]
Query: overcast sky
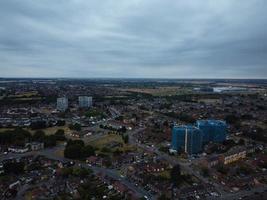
[133,38]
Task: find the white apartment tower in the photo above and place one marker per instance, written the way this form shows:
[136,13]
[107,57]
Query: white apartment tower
[62,104]
[85,101]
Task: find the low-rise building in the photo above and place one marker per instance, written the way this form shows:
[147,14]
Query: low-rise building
[18,149]
[94,160]
[212,161]
[234,155]
[2,171]
[35,146]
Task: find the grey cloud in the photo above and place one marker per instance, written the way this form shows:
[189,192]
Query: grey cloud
[135,38]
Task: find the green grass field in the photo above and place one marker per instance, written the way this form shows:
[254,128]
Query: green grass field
[48,131]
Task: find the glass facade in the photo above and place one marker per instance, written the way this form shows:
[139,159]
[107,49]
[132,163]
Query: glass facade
[213,130]
[187,139]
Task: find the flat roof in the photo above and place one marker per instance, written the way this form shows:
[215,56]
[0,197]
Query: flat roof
[210,122]
[185,127]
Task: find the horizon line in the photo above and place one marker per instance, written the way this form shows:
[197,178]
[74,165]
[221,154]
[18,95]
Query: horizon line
[191,78]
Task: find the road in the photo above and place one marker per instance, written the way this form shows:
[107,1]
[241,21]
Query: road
[240,195]
[50,153]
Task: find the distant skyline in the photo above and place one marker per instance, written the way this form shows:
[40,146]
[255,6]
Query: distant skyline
[133,39]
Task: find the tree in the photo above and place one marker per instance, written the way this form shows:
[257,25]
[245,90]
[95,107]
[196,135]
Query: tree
[205,171]
[222,169]
[117,152]
[176,175]
[14,167]
[76,127]
[241,142]
[107,162]
[50,141]
[94,113]
[230,143]
[72,142]
[88,151]
[38,136]
[122,129]
[60,135]
[81,172]
[163,197]
[106,150]
[119,118]
[38,125]
[61,123]
[125,138]
[243,169]
[73,151]
[231,119]
[166,123]
[186,118]
[164,149]
[66,171]
[16,136]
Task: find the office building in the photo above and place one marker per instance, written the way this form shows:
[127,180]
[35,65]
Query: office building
[213,130]
[186,139]
[85,102]
[62,104]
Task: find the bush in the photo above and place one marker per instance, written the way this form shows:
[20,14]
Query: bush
[125,138]
[176,175]
[50,141]
[15,136]
[222,169]
[14,167]
[81,172]
[95,113]
[72,142]
[76,127]
[88,151]
[38,136]
[231,119]
[205,171]
[38,125]
[106,150]
[60,135]
[61,123]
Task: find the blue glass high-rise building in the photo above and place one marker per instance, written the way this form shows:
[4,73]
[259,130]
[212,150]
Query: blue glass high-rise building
[213,130]
[187,139]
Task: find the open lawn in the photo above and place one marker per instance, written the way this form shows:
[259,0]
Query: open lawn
[48,131]
[158,91]
[106,139]
[25,94]
[165,174]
